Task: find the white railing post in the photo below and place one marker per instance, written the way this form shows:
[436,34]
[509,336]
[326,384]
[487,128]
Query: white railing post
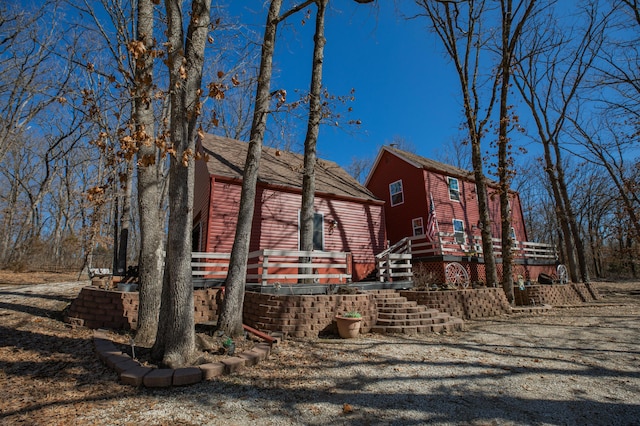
[265,269]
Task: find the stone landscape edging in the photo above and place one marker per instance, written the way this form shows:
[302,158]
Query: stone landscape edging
[131,372]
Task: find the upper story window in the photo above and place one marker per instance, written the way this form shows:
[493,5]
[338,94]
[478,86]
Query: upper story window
[458,231]
[395,191]
[513,234]
[454,189]
[418,228]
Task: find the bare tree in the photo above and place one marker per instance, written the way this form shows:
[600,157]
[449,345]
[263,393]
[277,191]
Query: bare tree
[512,21]
[311,139]
[175,341]
[151,178]
[230,320]
[459,26]
[456,153]
[611,148]
[618,73]
[35,85]
[553,68]
[31,80]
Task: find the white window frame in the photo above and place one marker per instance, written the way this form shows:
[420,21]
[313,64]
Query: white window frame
[392,194]
[417,224]
[316,216]
[455,191]
[459,236]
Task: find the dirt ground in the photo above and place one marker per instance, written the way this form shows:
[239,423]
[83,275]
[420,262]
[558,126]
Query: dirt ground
[572,365]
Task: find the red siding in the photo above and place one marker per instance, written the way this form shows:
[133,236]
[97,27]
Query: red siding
[419,184]
[201,200]
[225,201]
[390,169]
[360,228]
[466,209]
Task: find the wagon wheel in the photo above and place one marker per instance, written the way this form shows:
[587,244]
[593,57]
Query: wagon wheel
[563,276]
[456,275]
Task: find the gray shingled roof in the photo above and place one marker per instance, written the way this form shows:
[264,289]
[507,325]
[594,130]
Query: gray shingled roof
[432,165]
[281,168]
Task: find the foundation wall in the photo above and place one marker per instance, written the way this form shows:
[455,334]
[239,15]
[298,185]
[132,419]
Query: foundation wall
[292,315]
[97,308]
[306,316]
[566,294]
[313,315]
[465,304]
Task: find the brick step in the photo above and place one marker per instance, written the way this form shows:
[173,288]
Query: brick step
[400,301]
[383,291]
[396,314]
[454,325]
[427,313]
[410,322]
[404,310]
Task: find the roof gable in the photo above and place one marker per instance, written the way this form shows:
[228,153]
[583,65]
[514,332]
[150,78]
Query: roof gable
[280,168]
[426,163]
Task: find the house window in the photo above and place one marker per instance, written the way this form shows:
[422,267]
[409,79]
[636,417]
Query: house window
[513,234]
[318,231]
[418,229]
[454,189]
[458,231]
[395,190]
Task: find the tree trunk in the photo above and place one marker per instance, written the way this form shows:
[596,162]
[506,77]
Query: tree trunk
[125,222]
[510,35]
[230,321]
[571,219]
[504,172]
[567,238]
[175,341]
[313,127]
[150,181]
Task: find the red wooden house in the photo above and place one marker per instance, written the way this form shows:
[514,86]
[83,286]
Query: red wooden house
[449,232]
[349,219]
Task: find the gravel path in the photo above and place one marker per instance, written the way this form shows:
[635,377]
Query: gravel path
[571,366]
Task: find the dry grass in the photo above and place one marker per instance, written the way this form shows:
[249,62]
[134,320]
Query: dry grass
[32,278]
[570,366]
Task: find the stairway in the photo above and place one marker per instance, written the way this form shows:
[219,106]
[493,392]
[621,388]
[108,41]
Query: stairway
[398,315]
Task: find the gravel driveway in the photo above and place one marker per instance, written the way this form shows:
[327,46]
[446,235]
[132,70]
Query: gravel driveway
[570,366]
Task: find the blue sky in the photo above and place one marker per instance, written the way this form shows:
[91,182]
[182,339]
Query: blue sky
[404,86]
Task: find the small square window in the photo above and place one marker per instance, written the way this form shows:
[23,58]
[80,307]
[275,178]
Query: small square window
[395,191]
[418,229]
[458,231]
[454,190]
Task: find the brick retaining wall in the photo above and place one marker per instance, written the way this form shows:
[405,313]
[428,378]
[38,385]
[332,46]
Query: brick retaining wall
[566,294]
[306,316]
[466,304]
[313,315]
[297,316]
[97,308]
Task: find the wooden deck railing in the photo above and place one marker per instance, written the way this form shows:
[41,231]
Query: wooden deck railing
[395,262]
[447,244]
[270,266]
